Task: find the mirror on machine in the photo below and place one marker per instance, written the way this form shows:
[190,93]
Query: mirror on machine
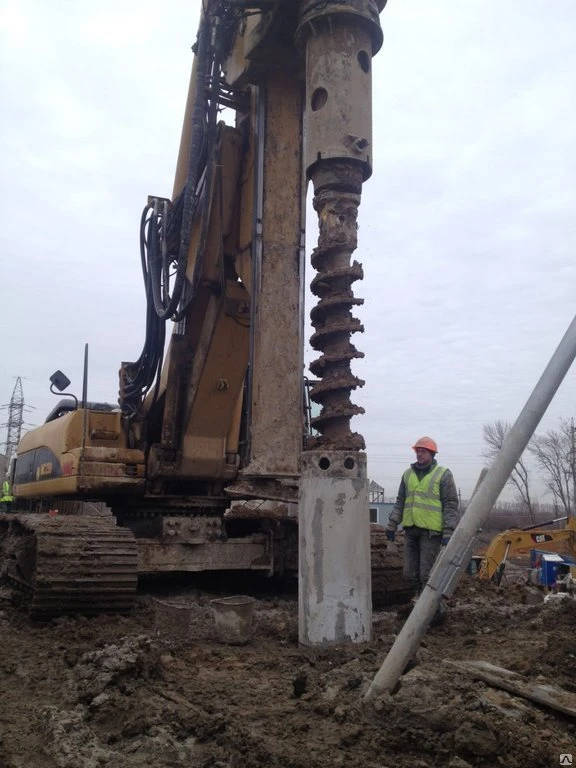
[61,382]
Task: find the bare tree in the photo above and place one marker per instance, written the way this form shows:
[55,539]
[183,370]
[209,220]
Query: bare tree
[553,454]
[494,435]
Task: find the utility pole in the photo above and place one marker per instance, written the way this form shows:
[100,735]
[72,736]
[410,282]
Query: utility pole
[455,556]
[573,466]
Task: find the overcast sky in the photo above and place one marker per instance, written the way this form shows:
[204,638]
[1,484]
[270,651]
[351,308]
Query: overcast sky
[467,227]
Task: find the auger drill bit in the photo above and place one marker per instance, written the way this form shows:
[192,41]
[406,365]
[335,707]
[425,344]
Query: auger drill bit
[339,38]
[336,200]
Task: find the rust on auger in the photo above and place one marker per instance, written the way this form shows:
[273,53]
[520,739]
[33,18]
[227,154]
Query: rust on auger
[340,39]
[337,206]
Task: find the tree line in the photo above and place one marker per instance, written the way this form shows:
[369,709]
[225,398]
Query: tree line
[554,455]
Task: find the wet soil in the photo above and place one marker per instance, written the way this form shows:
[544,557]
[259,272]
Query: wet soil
[151,689]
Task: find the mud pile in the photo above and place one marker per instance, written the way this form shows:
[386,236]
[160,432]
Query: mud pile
[124,692]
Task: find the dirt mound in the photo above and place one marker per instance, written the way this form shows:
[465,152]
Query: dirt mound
[118,692]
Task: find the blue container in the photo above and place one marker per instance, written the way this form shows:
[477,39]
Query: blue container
[550,565]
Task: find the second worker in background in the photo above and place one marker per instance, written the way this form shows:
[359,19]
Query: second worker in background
[427,508]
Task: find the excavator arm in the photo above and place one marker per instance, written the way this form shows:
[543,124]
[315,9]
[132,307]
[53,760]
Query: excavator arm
[517,540]
[228,396]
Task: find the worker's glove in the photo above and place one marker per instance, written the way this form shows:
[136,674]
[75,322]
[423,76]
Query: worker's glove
[390,534]
[445,540]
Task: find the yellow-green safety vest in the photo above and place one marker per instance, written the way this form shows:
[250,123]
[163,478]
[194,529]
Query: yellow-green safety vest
[422,506]
[6,495]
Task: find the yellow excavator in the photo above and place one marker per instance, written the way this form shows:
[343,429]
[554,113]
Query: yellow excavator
[521,540]
[217,420]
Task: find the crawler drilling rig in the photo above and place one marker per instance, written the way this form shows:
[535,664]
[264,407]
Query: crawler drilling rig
[219,418]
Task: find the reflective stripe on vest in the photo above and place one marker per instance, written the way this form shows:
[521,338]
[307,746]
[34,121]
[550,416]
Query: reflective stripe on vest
[423,506]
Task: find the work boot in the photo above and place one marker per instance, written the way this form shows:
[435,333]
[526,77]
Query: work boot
[439,616]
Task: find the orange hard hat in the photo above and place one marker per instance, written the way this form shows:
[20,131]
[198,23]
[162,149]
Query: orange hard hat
[426,442]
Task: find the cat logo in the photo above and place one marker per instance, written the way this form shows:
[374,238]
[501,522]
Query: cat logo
[44,470]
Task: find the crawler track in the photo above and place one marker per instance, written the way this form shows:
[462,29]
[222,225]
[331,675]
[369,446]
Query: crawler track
[88,565]
[69,564]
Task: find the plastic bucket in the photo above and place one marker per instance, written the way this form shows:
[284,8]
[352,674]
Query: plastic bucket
[233,617]
[173,619]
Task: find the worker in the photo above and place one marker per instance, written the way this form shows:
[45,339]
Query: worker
[6,499]
[427,507]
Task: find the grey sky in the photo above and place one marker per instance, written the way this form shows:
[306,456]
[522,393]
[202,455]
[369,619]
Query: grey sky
[467,227]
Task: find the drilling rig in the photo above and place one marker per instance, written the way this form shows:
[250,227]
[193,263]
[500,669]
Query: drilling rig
[218,419]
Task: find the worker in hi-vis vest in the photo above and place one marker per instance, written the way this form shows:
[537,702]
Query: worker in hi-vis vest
[427,508]
[6,499]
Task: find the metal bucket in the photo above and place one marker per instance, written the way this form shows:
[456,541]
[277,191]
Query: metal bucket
[473,567]
[173,619]
[233,617]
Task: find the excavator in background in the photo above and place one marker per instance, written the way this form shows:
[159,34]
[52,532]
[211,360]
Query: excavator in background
[200,461]
[520,541]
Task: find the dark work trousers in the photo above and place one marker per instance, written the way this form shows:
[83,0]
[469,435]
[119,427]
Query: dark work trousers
[420,552]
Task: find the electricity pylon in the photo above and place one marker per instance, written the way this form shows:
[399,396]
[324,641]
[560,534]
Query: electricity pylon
[15,419]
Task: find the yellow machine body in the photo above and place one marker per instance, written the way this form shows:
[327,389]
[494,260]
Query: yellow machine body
[515,541]
[73,456]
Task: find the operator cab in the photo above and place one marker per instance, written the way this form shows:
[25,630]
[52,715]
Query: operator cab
[67,406]
[61,409]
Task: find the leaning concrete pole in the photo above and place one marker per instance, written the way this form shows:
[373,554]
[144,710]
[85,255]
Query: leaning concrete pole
[339,40]
[454,558]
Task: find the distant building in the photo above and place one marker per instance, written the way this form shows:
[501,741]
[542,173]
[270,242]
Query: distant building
[380,509]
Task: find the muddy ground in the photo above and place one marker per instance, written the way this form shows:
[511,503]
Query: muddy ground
[123,692]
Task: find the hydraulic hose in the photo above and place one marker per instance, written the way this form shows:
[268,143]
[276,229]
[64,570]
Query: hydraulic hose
[165,229]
